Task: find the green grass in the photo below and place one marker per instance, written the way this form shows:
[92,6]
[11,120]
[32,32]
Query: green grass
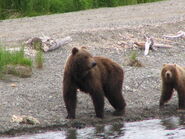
[133,55]
[21,8]
[13,58]
[133,61]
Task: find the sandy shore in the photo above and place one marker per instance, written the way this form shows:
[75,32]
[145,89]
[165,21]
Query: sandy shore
[106,32]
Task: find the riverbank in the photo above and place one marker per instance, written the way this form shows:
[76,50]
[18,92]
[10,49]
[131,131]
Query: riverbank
[16,9]
[108,32]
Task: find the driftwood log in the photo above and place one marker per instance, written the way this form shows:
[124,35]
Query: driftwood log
[150,45]
[46,43]
[180,34]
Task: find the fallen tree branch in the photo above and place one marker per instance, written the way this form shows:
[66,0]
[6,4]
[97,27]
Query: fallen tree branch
[158,45]
[150,45]
[180,34]
[141,45]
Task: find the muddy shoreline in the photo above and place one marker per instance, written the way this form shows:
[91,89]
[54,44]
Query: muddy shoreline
[41,95]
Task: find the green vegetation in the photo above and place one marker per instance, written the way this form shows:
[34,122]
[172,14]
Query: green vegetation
[37,45]
[39,59]
[13,58]
[133,56]
[133,61]
[21,8]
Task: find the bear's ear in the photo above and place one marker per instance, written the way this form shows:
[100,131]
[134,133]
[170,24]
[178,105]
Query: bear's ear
[74,50]
[164,65]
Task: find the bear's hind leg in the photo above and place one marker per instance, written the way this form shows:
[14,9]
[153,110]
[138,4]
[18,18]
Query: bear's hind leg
[181,97]
[117,100]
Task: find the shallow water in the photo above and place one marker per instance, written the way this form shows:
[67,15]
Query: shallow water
[169,128]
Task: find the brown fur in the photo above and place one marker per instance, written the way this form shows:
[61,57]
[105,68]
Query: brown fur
[173,77]
[97,76]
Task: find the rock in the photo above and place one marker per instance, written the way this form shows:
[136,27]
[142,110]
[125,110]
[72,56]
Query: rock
[13,85]
[25,120]
[19,70]
[30,120]
[16,119]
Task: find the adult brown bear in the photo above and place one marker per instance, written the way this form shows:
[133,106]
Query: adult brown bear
[173,77]
[97,76]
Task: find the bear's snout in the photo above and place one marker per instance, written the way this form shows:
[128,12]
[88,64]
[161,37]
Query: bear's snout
[168,74]
[93,64]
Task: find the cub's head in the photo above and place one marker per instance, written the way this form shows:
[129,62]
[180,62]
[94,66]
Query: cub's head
[169,73]
[82,60]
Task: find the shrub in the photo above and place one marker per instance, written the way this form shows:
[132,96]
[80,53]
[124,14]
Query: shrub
[133,55]
[133,61]
[18,8]
[13,58]
[39,59]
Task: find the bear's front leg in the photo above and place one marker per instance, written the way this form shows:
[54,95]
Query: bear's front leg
[98,101]
[70,98]
[167,91]
[70,102]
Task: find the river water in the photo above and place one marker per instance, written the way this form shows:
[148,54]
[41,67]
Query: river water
[168,128]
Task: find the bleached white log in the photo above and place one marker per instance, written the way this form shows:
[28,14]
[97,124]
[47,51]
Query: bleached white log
[158,45]
[59,43]
[141,45]
[180,34]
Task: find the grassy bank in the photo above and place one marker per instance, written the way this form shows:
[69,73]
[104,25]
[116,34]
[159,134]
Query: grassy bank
[13,58]
[21,8]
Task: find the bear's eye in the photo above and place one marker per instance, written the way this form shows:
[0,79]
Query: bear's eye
[164,70]
[86,57]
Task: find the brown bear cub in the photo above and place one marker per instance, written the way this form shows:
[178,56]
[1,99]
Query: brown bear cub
[173,77]
[97,76]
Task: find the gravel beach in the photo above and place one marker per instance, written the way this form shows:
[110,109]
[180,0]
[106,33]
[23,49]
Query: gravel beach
[109,32]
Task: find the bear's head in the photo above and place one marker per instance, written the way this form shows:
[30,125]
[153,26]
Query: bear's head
[82,60]
[169,73]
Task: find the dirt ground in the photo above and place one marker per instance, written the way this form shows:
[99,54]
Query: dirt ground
[109,32]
